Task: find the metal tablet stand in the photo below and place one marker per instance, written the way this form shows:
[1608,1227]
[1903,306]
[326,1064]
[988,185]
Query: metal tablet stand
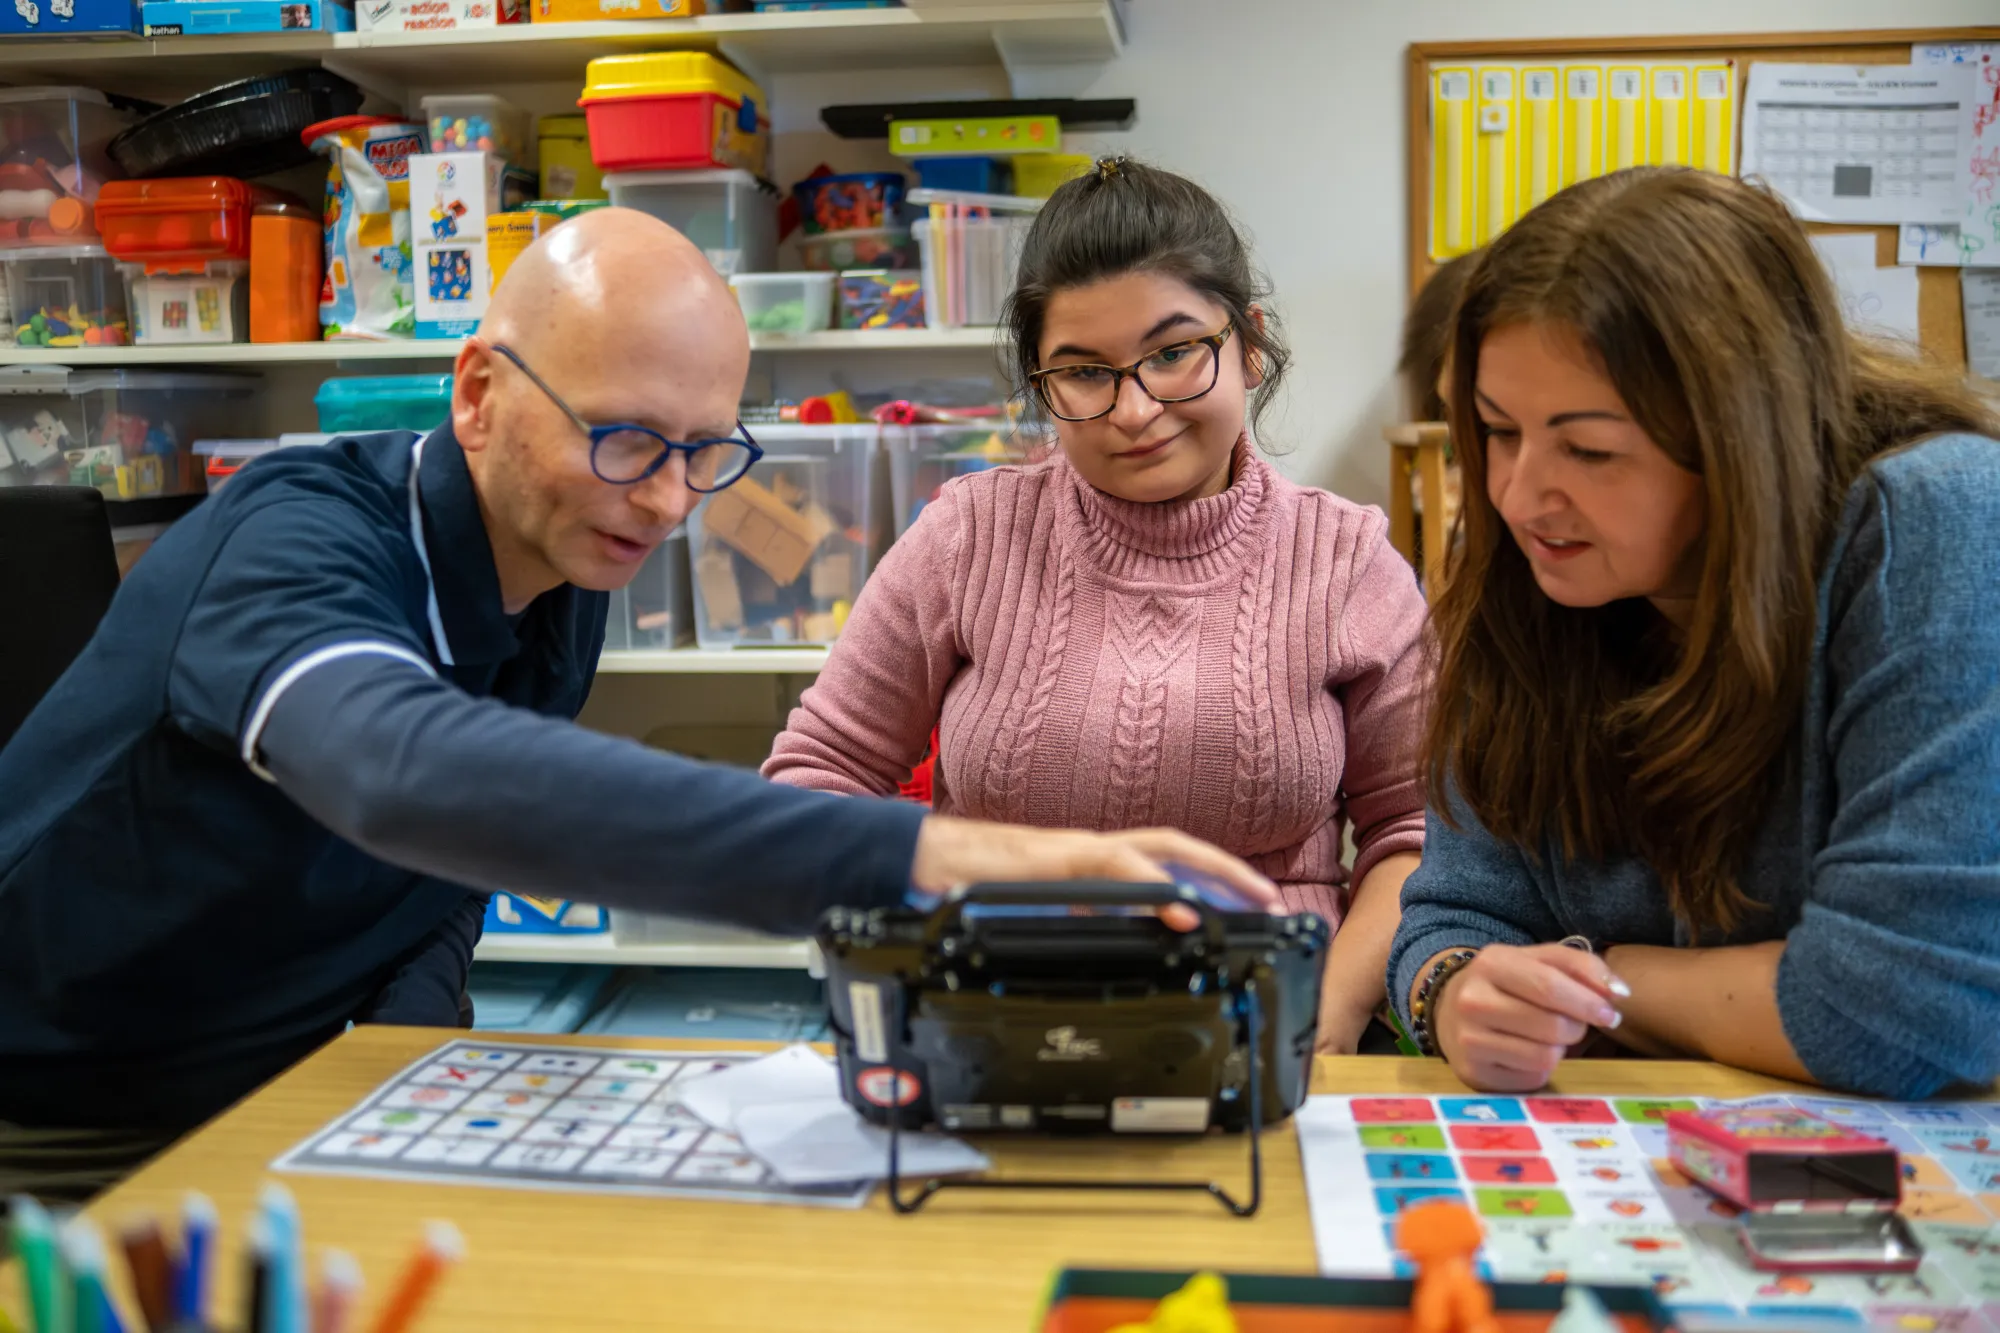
[1246,1000]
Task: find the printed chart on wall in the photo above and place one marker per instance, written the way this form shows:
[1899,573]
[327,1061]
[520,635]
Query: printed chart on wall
[552,1118]
[1504,137]
[1580,1188]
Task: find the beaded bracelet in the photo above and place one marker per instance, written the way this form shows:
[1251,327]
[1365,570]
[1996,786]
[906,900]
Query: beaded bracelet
[1427,989]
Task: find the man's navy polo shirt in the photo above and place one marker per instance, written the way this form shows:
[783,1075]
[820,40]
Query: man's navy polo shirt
[173,928]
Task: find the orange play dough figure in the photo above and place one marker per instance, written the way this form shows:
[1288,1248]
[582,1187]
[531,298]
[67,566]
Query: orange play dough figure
[1441,1236]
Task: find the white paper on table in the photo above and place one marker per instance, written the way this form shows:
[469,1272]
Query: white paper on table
[787,1110]
[812,1143]
[796,1073]
[1340,1198]
[1861,143]
[1880,301]
[1849,250]
[1982,321]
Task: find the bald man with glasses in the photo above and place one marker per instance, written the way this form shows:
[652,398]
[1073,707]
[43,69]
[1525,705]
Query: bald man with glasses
[332,710]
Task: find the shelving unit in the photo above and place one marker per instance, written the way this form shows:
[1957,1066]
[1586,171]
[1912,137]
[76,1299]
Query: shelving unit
[1045,48]
[1016,36]
[713,661]
[703,946]
[337,353]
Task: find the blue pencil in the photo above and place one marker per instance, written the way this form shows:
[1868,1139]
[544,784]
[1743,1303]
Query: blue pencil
[191,1277]
[285,1311]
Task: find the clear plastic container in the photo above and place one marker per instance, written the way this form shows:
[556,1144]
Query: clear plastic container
[225,458]
[923,458]
[875,247]
[53,160]
[128,433]
[779,557]
[476,123]
[66,296]
[785,302]
[179,308]
[655,609]
[969,266]
[732,217]
[881,298]
[383,402]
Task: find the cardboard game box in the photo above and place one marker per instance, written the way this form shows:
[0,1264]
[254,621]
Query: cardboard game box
[448,210]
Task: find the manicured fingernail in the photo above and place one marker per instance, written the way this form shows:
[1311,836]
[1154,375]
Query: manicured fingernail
[1617,987]
[1609,1017]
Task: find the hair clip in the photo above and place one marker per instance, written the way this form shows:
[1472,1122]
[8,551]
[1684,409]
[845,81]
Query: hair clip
[1108,167]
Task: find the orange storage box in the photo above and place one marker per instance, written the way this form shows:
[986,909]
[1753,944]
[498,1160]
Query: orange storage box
[179,225]
[677,111]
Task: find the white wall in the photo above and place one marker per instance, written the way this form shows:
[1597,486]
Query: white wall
[1293,112]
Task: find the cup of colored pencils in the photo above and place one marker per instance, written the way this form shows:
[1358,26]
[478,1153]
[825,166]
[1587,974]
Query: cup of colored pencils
[63,1272]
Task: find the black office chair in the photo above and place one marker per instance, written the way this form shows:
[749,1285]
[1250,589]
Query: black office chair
[58,570]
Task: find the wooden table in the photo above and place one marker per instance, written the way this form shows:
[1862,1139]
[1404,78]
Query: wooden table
[969,1262]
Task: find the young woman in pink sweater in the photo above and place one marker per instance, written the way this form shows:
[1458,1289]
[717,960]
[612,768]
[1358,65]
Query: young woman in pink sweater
[1152,627]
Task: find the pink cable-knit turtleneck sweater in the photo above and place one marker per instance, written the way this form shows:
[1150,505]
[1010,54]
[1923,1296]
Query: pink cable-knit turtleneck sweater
[1247,668]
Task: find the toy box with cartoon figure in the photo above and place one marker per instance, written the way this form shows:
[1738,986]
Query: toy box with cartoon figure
[448,208]
[63,18]
[169,18]
[125,432]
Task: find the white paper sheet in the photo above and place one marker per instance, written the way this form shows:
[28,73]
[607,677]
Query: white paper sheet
[1930,244]
[787,1110]
[1874,144]
[1982,321]
[1979,169]
[1880,301]
[1848,250]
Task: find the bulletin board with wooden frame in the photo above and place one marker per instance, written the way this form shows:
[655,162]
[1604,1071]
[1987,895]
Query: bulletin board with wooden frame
[1940,314]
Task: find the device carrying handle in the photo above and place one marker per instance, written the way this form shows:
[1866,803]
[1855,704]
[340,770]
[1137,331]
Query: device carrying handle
[1082,894]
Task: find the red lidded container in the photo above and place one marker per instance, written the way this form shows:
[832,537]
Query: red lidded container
[177,226]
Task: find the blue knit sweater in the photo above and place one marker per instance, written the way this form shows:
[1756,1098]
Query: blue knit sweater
[1880,860]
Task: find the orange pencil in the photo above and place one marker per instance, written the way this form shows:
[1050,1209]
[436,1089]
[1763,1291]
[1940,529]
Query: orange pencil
[442,1247]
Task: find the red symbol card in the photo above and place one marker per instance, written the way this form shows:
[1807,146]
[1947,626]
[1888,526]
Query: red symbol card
[1494,1138]
[1571,1111]
[1392,1110]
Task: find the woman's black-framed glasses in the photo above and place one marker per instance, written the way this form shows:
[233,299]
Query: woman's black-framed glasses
[625,454]
[1176,373]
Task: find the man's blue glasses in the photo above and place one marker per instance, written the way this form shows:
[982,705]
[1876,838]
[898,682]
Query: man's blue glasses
[625,454]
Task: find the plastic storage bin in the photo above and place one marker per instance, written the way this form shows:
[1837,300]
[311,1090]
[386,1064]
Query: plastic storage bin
[654,610]
[875,247]
[179,225]
[1039,175]
[53,160]
[383,402]
[881,298]
[125,432]
[728,214]
[779,557]
[223,459]
[66,296]
[853,202]
[564,151]
[923,458]
[212,306]
[682,110]
[785,302]
[476,123]
[969,266]
[247,128]
[971,175]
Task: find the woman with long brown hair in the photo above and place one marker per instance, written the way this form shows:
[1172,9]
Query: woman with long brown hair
[1715,746]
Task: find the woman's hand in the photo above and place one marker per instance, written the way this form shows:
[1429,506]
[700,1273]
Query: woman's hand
[1508,1017]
